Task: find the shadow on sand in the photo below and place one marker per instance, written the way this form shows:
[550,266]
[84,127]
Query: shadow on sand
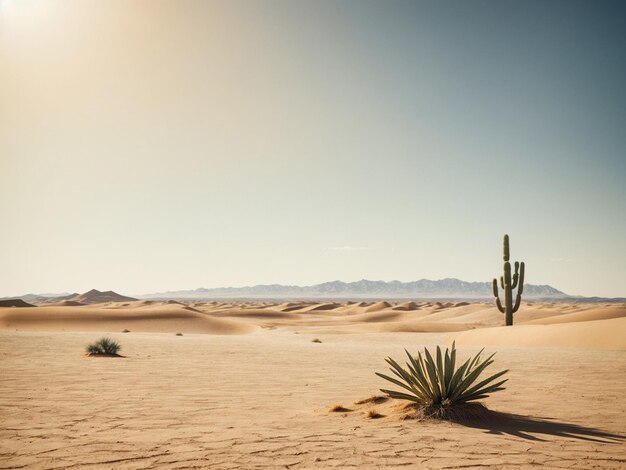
[526,427]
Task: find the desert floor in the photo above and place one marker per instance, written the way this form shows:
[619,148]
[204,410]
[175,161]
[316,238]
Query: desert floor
[246,387]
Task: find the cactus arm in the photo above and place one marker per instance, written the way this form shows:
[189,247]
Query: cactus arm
[515,276]
[495,294]
[502,282]
[518,298]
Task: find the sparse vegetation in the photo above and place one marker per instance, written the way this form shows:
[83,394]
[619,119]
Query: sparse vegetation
[316,340]
[179,334]
[125,331]
[437,386]
[104,347]
[338,409]
[372,413]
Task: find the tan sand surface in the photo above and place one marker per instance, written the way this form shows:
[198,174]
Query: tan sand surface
[149,318]
[599,313]
[257,392]
[598,334]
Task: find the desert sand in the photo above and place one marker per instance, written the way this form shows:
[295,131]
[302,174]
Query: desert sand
[245,386]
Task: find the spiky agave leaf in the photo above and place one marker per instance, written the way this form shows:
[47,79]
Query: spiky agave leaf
[431,381]
[417,371]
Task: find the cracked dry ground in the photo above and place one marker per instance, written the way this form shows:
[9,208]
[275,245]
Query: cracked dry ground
[262,401]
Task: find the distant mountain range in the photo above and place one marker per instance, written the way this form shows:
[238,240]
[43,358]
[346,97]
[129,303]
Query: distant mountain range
[91,297]
[448,289]
[445,288]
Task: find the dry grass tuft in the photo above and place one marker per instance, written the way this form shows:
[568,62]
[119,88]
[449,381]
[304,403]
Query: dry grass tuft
[316,340]
[372,413]
[125,331]
[179,334]
[375,399]
[338,409]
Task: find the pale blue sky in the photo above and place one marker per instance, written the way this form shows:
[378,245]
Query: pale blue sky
[151,145]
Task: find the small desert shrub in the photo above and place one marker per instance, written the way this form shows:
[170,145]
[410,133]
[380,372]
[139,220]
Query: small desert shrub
[437,383]
[316,340]
[104,346]
[372,413]
[125,331]
[179,334]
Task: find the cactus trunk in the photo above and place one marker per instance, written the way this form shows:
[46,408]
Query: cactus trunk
[508,284]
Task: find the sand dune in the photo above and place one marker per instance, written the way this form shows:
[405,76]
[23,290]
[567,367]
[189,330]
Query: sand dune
[534,312]
[287,306]
[375,317]
[482,319]
[378,306]
[293,308]
[413,326]
[442,313]
[407,306]
[258,314]
[480,316]
[322,307]
[591,314]
[595,334]
[154,319]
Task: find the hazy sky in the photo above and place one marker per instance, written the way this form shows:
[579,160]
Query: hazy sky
[161,145]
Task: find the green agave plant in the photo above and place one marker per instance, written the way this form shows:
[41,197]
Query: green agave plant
[433,382]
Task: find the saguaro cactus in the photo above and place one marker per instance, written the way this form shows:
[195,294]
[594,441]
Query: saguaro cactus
[508,284]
